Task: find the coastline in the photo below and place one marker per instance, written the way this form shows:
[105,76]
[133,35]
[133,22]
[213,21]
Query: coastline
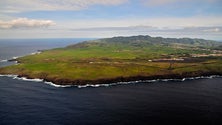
[126,79]
[14,58]
[118,81]
[110,84]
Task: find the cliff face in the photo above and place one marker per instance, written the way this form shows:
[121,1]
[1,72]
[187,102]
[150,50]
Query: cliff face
[61,81]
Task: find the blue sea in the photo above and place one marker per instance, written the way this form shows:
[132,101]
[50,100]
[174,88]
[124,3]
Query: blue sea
[189,102]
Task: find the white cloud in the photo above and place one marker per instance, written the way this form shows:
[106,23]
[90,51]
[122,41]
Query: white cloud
[164,2]
[170,22]
[202,27]
[214,29]
[159,2]
[150,30]
[25,23]
[13,6]
[134,29]
[193,32]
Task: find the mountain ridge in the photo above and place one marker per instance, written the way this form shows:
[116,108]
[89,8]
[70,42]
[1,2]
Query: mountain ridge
[196,42]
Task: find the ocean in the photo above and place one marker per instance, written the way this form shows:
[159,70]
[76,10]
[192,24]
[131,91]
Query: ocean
[188,102]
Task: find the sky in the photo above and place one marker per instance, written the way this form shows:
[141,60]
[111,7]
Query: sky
[109,18]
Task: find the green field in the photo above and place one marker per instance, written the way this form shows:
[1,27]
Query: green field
[123,57]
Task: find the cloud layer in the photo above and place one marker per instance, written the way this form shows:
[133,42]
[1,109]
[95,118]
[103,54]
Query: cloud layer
[107,18]
[161,22]
[165,2]
[25,23]
[13,6]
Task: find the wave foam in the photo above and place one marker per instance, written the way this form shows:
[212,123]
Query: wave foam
[110,84]
[34,53]
[15,57]
[5,60]
[26,79]
[147,81]
[55,85]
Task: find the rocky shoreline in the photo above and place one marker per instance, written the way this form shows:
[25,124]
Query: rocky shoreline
[60,81]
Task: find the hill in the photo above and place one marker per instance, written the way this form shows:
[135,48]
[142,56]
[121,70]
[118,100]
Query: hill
[122,59]
[147,40]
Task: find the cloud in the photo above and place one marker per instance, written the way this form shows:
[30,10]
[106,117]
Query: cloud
[13,6]
[195,27]
[103,32]
[25,23]
[213,29]
[147,29]
[127,28]
[159,2]
[195,30]
[171,22]
[105,29]
[165,2]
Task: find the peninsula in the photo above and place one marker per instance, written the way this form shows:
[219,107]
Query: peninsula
[120,59]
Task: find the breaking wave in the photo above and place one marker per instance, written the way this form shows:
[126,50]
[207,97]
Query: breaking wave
[25,79]
[16,57]
[147,81]
[34,53]
[5,60]
[110,84]
[55,85]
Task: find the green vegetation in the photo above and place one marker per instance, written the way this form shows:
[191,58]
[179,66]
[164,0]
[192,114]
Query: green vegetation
[121,57]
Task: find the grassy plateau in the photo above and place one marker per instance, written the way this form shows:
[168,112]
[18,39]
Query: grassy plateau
[122,59]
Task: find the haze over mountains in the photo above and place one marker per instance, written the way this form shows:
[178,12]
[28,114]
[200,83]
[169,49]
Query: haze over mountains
[143,41]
